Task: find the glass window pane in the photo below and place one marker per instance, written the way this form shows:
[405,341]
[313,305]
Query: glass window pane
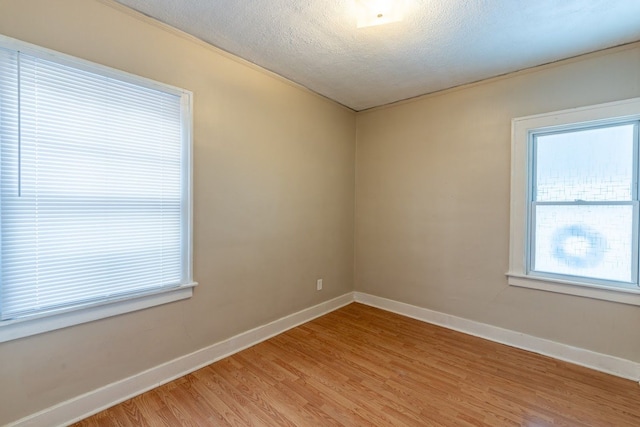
[587,240]
[591,164]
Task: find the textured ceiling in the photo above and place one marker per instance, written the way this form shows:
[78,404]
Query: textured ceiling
[439,43]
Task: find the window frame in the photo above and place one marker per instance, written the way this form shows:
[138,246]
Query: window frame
[77,314]
[523,130]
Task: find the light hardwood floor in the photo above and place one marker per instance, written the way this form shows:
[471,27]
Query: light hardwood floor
[362,366]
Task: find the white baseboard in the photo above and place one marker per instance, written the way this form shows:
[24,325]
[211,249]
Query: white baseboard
[95,401]
[590,359]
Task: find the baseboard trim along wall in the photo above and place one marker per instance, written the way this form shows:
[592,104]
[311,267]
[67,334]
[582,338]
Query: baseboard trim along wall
[95,401]
[83,406]
[579,356]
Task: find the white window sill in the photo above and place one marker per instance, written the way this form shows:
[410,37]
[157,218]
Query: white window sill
[45,322]
[621,295]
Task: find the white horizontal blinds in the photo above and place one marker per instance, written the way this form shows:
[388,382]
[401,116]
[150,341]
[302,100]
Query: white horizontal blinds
[9,137]
[92,205]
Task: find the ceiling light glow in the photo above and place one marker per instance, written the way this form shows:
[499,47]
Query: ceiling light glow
[378,12]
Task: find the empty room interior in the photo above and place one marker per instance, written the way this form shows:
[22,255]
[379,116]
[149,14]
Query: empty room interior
[347,212]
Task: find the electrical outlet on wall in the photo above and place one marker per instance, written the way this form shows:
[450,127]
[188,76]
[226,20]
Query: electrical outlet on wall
[319,284]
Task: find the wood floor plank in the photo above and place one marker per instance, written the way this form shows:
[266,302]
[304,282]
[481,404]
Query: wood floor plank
[361,366]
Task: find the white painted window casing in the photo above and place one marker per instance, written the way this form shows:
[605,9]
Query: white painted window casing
[95,191]
[547,224]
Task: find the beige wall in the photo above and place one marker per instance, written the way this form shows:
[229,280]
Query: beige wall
[432,202]
[273,204]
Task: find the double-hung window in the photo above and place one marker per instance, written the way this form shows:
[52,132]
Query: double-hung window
[95,200]
[574,202]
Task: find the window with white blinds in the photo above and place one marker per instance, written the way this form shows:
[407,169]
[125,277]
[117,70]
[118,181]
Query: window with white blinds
[94,185]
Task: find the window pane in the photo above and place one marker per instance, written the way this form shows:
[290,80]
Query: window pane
[592,164]
[585,240]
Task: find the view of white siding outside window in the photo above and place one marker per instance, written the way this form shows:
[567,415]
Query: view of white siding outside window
[574,202]
[583,203]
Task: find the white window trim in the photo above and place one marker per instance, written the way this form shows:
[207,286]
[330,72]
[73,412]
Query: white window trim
[75,315]
[521,130]
[45,322]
